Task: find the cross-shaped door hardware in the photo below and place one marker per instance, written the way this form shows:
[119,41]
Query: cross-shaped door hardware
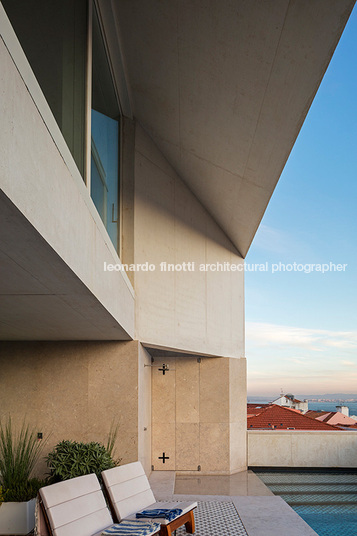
[163,457]
[165,368]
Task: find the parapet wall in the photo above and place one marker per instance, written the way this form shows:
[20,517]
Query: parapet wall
[285,448]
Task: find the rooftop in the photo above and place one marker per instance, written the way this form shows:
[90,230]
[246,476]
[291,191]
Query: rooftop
[278,417]
[244,492]
[332,417]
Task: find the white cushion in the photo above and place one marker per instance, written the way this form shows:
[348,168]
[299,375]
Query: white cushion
[129,488]
[123,473]
[133,504]
[69,489]
[74,509]
[86,526]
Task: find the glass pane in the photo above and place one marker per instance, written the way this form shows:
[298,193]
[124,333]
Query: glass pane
[105,172]
[57,54]
[105,137]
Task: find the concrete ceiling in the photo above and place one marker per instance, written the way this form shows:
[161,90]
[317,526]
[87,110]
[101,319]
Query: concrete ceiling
[41,297]
[223,87]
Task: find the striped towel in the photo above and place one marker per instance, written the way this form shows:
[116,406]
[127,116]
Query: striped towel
[165,513]
[132,528]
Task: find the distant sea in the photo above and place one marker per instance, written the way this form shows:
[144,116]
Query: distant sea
[316,406]
[331,406]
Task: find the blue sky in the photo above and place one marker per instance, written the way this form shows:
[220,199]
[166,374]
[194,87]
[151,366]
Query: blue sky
[301,329]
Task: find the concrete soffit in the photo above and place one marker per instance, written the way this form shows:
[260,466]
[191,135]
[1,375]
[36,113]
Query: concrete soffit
[161,352]
[223,90]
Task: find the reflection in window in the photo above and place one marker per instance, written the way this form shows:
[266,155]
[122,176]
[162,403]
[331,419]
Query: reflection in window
[53,36]
[105,138]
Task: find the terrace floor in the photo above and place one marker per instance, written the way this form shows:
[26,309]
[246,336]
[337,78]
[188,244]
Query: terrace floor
[260,512]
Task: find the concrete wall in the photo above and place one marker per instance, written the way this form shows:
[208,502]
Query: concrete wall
[39,176]
[76,390]
[195,311]
[297,448]
[199,415]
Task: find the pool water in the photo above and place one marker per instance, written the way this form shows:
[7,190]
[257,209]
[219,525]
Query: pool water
[327,501]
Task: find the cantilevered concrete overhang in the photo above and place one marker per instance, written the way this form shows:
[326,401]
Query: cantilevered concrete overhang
[41,298]
[223,88]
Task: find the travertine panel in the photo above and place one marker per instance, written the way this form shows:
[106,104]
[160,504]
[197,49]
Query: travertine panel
[163,392]
[73,390]
[187,446]
[163,441]
[209,414]
[187,390]
[144,409]
[237,447]
[214,447]
[214,390]
[113,394]
[238,392]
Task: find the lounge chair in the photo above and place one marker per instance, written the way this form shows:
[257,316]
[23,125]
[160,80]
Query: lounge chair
[77,507]
[129,493]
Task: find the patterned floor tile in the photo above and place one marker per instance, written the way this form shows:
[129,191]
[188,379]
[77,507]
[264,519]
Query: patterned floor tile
[216,518]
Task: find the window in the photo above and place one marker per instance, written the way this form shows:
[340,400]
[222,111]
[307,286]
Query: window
[105,138]
[54,37]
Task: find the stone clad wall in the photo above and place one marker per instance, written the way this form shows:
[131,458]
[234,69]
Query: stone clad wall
[198,416]
[76,390]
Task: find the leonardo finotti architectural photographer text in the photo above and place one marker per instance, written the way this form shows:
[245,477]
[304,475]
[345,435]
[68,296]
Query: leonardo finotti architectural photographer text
[192,266]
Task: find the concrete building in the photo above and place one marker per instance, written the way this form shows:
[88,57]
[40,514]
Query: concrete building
[143,133]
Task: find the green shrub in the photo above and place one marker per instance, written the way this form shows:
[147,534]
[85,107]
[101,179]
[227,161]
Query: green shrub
[23,492]
[70,459]
[19,453]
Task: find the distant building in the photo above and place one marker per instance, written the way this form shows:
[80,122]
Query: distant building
[275,417]
[344,410]
[289,401]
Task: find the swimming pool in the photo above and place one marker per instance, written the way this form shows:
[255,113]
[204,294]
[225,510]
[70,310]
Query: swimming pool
[327,501]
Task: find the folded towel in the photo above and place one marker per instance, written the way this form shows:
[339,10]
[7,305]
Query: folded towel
[132,528]
[165,513]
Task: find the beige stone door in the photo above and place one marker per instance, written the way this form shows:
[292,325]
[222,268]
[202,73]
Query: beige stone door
[199,414]
[175,414]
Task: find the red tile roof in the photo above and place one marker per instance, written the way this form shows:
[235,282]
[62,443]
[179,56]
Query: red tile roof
[328,416]
[314,414]
[335,418]
[280,418]
[254,409]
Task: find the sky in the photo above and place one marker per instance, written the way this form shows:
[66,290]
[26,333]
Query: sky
[301,328]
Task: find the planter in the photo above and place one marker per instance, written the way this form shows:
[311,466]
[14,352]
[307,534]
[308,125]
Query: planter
[17,517]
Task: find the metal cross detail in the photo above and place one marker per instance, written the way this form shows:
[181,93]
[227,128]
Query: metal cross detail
[163,457]
[164,369]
